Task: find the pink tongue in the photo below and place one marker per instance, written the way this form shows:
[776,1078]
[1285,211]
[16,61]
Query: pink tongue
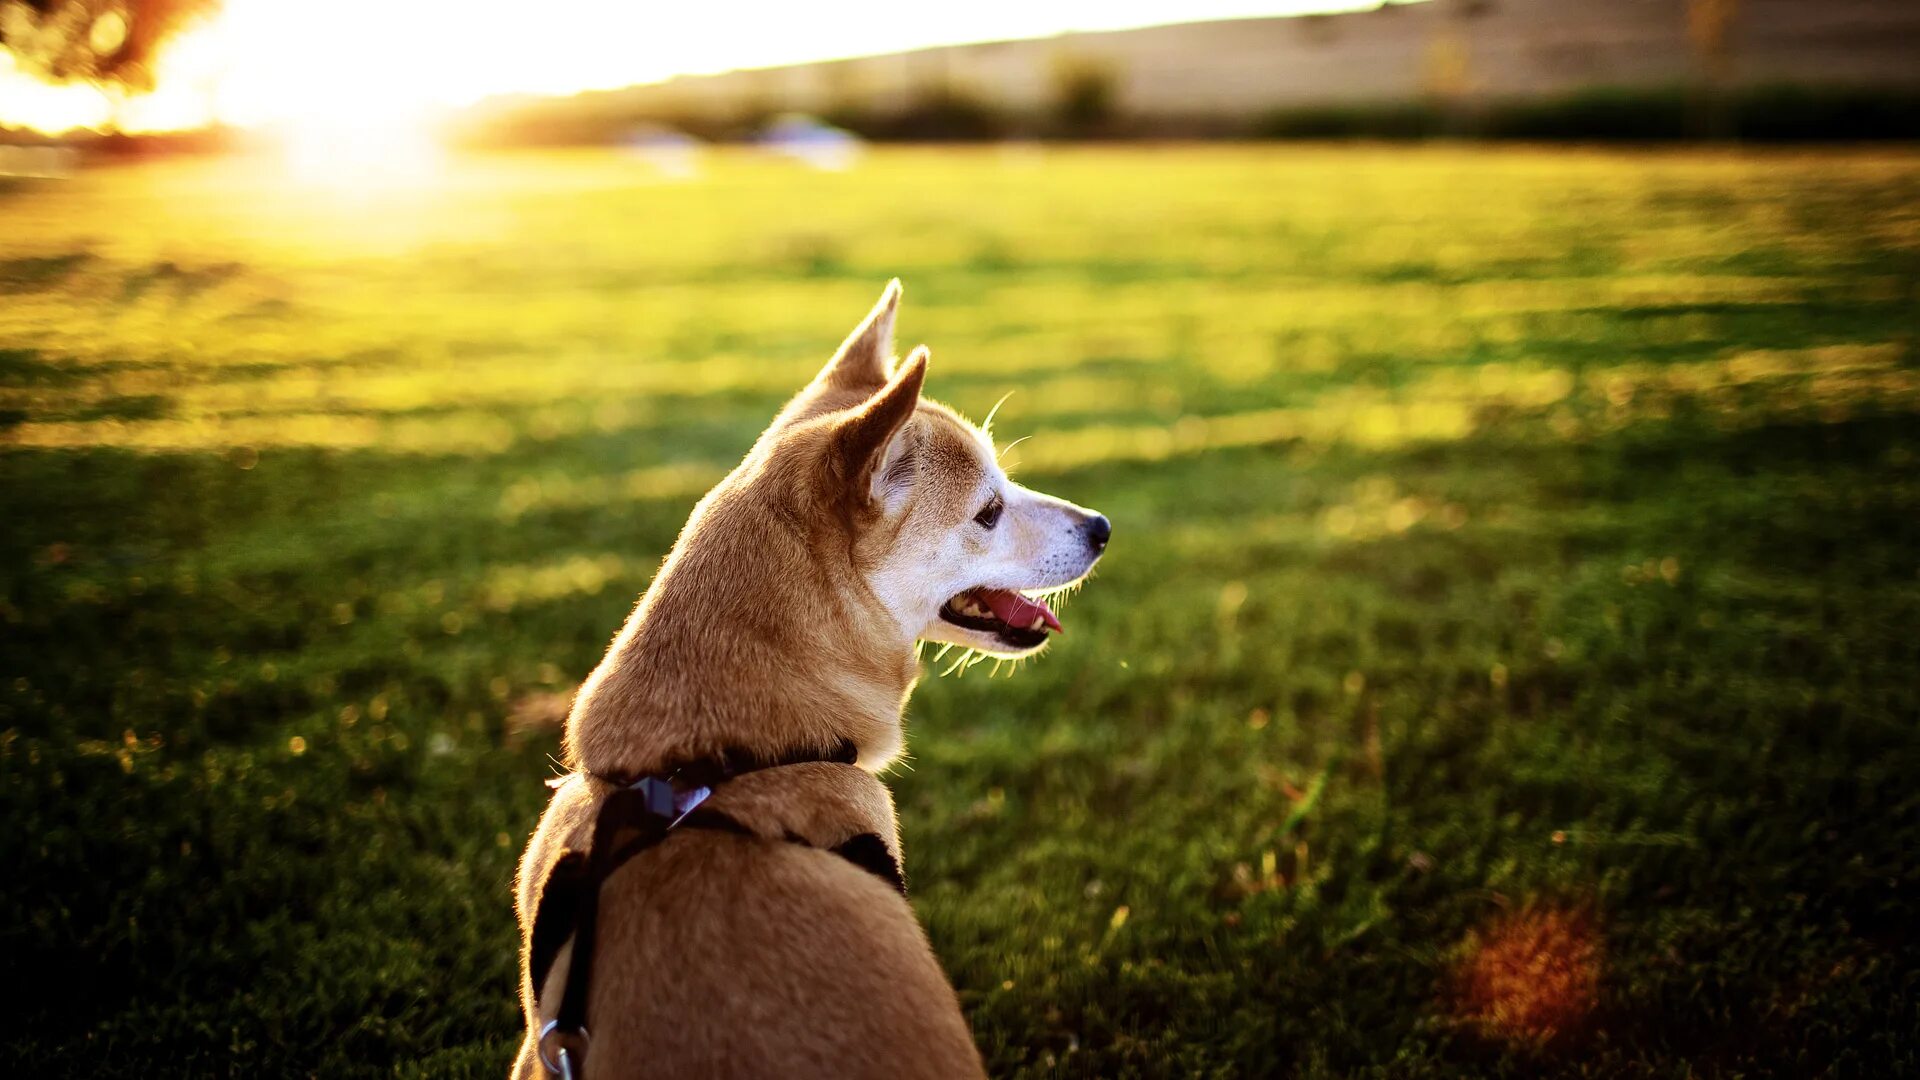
[1016,610]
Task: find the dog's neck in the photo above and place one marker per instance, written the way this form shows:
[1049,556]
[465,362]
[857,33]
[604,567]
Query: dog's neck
[744,643]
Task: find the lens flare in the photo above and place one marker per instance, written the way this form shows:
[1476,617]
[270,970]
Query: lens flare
[1530,976]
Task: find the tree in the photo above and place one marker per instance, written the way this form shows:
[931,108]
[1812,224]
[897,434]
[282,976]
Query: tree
[102,41]
[1707,24]
[1085,93]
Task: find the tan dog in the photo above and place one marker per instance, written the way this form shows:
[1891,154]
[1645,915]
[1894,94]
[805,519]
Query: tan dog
[784,623]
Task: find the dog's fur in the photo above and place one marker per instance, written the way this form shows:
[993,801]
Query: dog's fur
[785,621]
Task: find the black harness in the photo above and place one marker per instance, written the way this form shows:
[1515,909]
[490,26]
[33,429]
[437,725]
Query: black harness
[637,815]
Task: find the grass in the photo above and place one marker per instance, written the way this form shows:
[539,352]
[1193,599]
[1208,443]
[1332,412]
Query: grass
[1505,664]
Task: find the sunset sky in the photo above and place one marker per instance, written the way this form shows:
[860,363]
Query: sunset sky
[379,62]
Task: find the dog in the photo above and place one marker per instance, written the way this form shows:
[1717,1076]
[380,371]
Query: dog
[782,631]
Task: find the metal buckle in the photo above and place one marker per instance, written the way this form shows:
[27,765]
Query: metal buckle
[569,1050]
[657,793]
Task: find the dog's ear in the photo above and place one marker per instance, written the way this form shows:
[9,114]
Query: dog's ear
[869,446]
[861,363]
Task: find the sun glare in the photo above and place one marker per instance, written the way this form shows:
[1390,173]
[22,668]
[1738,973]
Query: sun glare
[1531,975]
[330,67]
[333,151]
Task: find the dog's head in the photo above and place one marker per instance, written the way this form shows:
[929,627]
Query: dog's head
[865,518]
[940,539]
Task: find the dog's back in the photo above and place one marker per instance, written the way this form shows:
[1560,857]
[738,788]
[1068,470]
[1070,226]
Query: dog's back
[768,954]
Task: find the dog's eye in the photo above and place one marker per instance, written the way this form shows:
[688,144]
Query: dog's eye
[989,515]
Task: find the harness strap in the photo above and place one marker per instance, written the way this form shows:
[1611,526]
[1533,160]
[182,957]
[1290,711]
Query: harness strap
[625,826]
[561,899]
[868,852]
[636,816]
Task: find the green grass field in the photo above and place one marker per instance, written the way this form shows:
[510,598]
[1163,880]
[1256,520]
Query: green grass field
[1507,662]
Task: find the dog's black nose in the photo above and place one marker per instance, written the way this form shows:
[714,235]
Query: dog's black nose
[1098,530]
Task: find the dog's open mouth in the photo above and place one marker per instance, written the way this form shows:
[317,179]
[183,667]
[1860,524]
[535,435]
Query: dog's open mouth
[1020,621]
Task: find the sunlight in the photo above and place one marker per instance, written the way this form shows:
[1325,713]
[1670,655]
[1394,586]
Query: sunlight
[343,64]
[268,63]
[335,152]
[44,107]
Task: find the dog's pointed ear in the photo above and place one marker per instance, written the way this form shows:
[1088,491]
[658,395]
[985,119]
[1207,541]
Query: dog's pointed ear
[867,446]
[861,363]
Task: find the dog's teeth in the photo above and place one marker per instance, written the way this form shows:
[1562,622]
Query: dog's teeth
[1037,623]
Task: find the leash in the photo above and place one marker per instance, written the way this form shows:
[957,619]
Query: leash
[636,816]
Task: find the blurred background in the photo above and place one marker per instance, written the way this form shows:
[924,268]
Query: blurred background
[1504,664]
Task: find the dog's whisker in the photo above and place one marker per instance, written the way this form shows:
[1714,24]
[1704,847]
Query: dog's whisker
[987,424]
[1061,592]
